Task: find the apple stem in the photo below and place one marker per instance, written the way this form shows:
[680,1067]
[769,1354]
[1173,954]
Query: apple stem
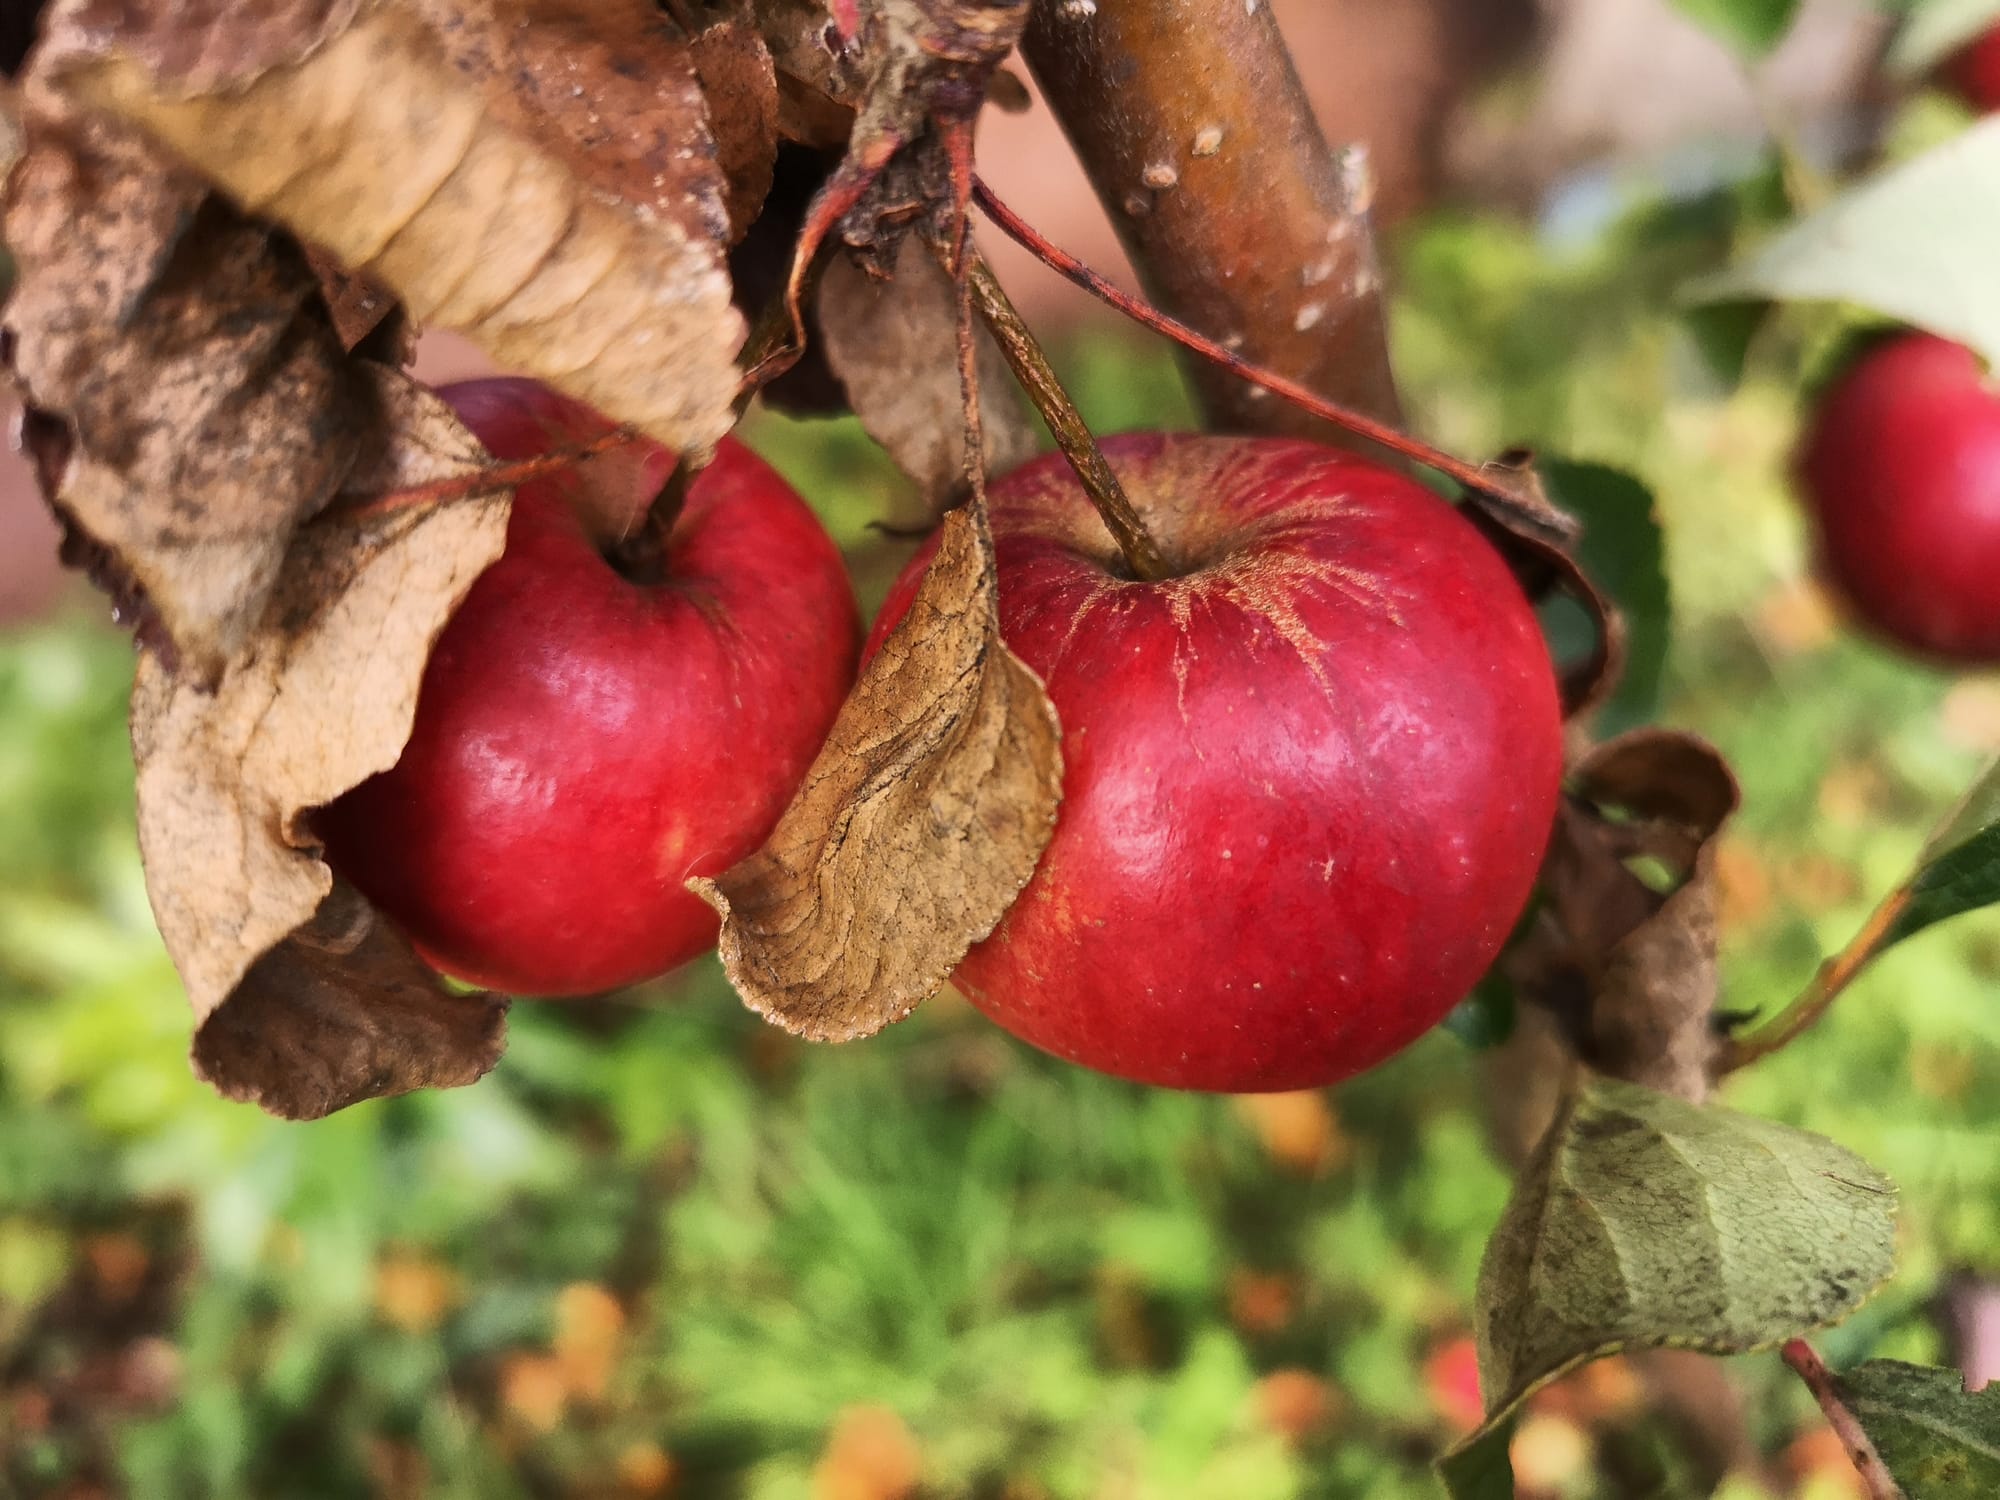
[1474,476]
[640,556]
[1038,378]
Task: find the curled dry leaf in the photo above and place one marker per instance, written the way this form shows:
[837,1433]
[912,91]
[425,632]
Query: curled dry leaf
[917,71]
[1539,540]
[321,696]
[894,346]
[1629,969]
[915,829]
[488,203]
[741,89]
[188,350]
[341,1011]
[363,310]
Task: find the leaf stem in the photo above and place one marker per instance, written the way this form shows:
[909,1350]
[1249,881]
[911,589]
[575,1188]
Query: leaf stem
[1038,378]
[1832,977]
[1480,477]
[1811,1369]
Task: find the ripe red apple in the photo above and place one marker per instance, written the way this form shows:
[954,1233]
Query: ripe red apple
[1973,72]
[584,740]
[1308,780]
[1901,468]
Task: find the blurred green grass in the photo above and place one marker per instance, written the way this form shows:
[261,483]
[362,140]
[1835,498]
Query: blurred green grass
[664,1247]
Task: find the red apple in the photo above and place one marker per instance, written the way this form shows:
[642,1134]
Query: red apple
[1308,780]
[1901,468]
[1973,72]
[585,741]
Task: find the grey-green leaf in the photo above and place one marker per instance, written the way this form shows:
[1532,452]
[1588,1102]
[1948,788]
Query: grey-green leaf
[1938,1441]
[1960,867]
[1644,1221]
[1917,243]
[1481,1468]
[1753,27]
[1622,552]
[1935,30]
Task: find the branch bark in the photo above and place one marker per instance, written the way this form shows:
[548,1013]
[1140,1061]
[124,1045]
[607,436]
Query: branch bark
[1195,131]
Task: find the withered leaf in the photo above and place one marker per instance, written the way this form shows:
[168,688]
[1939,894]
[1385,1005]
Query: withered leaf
[894,346]
[1538,539]
[205,44]
[917,71]
[445,186]
[321,696]
[188,348]
[342,1011]
[1631,970]
[1644,1221]
[915,829]
[363,311]
[741,89]
[608,86]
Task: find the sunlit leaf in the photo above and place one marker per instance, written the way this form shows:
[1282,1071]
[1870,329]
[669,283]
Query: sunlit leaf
[1751,26]
[1915,243]
[1960,867]
[1935,30]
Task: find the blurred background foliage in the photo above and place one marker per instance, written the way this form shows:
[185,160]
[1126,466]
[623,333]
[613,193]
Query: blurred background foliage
[664,1249]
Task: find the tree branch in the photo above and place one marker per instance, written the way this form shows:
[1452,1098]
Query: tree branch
[1193,127]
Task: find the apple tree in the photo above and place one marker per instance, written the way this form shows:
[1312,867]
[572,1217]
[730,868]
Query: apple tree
[227,224]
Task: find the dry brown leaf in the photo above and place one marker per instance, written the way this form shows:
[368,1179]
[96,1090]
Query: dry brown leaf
[1538,538]
[894,346]
[609,86]
[915,829]
[341,1011]
[205,44]
[464,193]
[360,306]
[1631,970]
[320,697]
[189,351]
[741,88]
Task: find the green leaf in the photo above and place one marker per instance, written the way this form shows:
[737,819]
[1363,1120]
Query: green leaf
[1915,243]
[1485,1018]
[1643,1221]
[1481,1468]
[1622,552]
[1935,30]
[1938,1440]
[1959,870]
[1753,27]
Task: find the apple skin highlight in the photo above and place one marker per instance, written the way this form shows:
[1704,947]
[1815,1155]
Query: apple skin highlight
[1308,782]
[584,741]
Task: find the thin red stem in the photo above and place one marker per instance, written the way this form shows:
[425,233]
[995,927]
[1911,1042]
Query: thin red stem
[484,481]
[1061,261]
[1811,1369]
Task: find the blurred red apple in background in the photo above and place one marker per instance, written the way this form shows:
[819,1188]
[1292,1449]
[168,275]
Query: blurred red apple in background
[586,740]
[1973,72]
[1900,466]
[1308,781]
